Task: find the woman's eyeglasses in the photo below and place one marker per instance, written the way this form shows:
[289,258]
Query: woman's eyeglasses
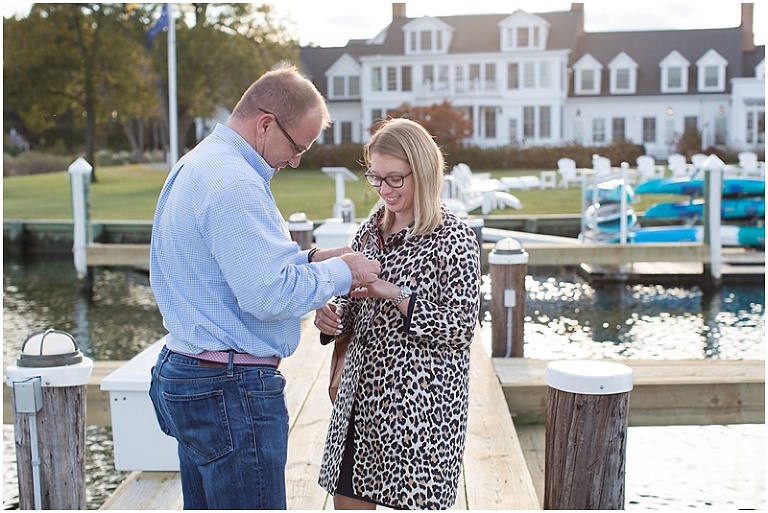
[298,150]
[394,181]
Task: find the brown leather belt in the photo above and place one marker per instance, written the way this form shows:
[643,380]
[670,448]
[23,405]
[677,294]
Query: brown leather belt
[221,359]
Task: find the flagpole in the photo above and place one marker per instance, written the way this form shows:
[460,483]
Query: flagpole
[173,118]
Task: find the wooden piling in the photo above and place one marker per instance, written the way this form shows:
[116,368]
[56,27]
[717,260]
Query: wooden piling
[586,434]
[61,441]
[508,267]
[301,229]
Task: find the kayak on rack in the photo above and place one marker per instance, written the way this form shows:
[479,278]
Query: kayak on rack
[695,187]
[733,236]
[732,208]
[609,191]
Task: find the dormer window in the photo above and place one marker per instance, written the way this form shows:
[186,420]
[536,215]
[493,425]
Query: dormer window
[623,74]
[674,73]
[523,31]
[711,72]
[587,78]
[426,41]
[344,78]
[427,35]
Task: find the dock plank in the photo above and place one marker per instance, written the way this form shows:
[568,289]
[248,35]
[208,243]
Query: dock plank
[532,440]
[310,409]
[495,471]
[665,392]
[147,491]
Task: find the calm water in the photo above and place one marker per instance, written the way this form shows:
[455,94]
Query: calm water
[717,467]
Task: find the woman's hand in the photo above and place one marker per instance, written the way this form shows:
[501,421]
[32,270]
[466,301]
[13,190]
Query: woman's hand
[379,288]
[328,319]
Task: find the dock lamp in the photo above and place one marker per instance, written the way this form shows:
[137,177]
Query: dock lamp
[49,392]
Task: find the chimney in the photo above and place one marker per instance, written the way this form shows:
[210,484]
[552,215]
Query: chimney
[578,10]
[398,11]
[747,22]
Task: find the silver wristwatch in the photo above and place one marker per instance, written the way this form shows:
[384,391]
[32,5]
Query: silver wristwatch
[404,293]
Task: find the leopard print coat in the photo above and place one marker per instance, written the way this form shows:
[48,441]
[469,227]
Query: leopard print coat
[408,377]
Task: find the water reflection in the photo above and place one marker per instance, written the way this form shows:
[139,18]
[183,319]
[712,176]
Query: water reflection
[114,320]
[566,317]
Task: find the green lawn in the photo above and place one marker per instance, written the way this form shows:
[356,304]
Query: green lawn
[130,192]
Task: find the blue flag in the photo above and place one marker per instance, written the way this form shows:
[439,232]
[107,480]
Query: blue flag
[159,26]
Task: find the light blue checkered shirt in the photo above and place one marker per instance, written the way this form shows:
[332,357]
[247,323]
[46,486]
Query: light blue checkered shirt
[223,268]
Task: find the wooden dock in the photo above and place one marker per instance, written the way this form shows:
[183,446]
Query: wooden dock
[495,473]
[739,265]
[137,255]
[504,460]
[664,393]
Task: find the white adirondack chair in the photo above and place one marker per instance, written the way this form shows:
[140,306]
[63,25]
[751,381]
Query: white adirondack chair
[677,165]
[647,168]
[601,166]
[568,174]
[750,166]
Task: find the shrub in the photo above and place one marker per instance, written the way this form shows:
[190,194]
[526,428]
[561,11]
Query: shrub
[345,155]
[34,162]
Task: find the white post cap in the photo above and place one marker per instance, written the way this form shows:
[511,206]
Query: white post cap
[80,167]
[298,222]
[54,356]
[508,251]
[63,376]
[590,377]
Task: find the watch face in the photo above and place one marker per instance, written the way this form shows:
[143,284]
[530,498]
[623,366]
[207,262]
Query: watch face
[405,290]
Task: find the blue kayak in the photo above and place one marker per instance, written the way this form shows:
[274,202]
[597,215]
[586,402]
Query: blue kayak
[695,187]
[733,236]
[732,208]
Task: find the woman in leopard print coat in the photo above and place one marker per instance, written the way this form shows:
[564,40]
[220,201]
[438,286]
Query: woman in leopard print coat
[397,433]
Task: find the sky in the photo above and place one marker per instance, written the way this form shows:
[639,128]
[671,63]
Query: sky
[334,22]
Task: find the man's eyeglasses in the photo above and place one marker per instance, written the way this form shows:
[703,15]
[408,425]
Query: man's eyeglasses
[298,150]
[394,181]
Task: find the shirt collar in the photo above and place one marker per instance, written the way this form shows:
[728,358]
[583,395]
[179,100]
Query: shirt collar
[247,151]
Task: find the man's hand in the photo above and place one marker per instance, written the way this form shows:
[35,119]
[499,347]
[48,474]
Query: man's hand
[364,271]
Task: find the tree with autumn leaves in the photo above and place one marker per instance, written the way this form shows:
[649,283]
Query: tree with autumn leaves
[449,126]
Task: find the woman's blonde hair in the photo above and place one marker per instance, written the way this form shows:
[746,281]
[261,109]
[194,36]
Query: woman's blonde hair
[410,142]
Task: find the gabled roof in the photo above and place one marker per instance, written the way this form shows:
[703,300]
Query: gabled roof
[751,60]
[479,33]
[314,61]
[648,49]
[473,33]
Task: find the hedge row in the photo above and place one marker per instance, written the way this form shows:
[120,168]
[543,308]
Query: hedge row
[502,157]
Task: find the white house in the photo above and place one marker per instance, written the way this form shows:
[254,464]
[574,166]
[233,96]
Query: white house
[534,79]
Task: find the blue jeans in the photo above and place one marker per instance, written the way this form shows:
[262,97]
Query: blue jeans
[231,424]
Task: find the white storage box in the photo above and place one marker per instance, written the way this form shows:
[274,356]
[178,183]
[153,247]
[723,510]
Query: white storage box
[334,233]
[139,442]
